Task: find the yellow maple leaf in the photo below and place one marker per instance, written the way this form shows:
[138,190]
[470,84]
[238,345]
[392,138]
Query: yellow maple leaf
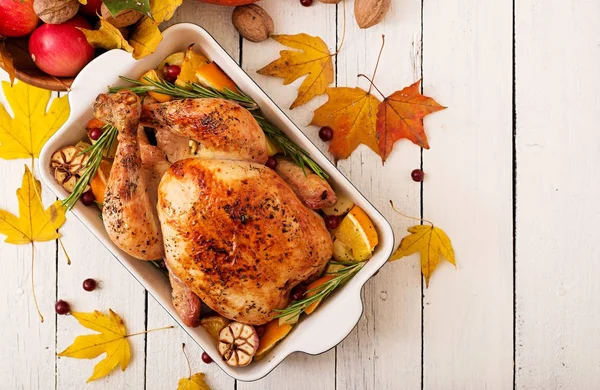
[107,37]
[352,114]
[314,60]
[24,134]
[146,36]
[111,340]
[34,224]
[194,382]
[431,242]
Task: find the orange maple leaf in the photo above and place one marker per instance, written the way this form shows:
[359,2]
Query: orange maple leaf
[400,115]
[352,114]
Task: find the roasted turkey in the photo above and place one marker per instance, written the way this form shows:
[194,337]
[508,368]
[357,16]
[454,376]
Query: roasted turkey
[233,232]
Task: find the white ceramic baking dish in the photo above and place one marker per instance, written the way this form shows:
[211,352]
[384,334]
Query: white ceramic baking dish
[316,333]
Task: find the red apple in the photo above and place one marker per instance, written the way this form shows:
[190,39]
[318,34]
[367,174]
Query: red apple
[91,9]
[17,18]
[61,49]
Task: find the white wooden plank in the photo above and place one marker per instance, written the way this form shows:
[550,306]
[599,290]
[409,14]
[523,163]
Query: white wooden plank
[22,332]
[558,149]
[468,312]
[165,363]
[384,351]
[299,369]
[117,290]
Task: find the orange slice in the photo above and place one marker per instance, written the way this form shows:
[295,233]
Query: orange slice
[191,62]
[357,232]
[211,75]
[274,333]
[152,75]
[319,282]
[98,183]
[272,148]
[214,325]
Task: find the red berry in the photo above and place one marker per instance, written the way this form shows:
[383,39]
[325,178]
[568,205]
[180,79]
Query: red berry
[206,359]
[271,162]
[89,285]
[170,72]
[260,330]
[62,307]
[417,175]
[306,3]
[298,293]
[332,221]
[95,134]
[88,198]
[326,133]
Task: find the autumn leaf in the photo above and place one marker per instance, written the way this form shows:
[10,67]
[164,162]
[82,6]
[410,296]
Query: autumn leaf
[351,113]
[116,6]
[34,223]
[24,134]
[144,38]
[400,115]
[194,382]
[111,340]
[314,60]
[106,37]
[7,62]
[431,242]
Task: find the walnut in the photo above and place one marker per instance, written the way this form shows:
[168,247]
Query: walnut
[122,19]
[252,22]
[55,11]
[370,12]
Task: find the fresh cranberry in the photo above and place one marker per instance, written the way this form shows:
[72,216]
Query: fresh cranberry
[271,162]
[88,198]
[260,330]
[61,307]
[326,133]
[306,3]
[417,175]
[170,72]
[332,222]
[95,134]
[89,284]
[206,359]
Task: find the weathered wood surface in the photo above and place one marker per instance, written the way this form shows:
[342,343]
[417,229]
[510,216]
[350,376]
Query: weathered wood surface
[513,161]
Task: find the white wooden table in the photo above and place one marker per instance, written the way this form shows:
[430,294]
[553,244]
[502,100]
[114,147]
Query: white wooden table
[512,176]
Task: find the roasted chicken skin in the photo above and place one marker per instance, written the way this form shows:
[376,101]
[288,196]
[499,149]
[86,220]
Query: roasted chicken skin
[313,191]
[128,212]
[222,129]
[237,236]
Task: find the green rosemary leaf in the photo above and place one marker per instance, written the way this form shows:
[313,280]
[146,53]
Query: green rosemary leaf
[322,291]
[96,152]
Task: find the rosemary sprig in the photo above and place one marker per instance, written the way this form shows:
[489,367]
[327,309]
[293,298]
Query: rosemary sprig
[194,90]
[342,276]
[300,156]
[96,151]
[190,91]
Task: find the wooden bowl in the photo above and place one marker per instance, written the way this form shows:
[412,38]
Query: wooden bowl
[28,72]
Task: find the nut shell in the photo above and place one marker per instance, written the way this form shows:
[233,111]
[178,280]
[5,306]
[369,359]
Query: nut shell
[252,22]
[55,11]
[238,344]
[370,12]
[122,19]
